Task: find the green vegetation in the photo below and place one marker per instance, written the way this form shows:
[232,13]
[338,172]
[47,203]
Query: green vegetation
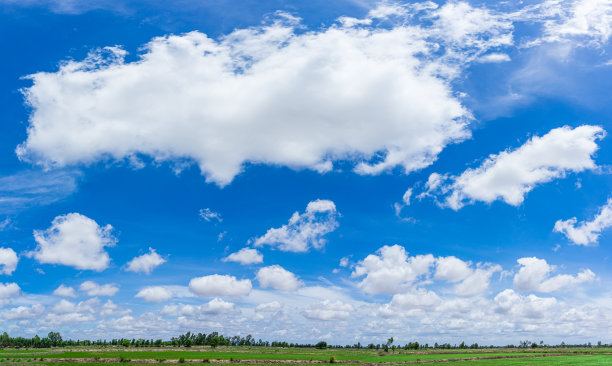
[207,354]
[214,348]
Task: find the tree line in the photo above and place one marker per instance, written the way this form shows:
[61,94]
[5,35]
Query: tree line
[214,339]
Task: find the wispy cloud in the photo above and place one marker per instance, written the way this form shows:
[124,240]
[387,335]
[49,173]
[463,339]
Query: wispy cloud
[35,187]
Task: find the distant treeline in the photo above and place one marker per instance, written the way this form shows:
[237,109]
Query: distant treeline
[214,339]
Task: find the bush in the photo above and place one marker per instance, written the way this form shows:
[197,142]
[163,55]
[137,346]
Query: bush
[123,359]
[206,360]
[181,360]
[332,359]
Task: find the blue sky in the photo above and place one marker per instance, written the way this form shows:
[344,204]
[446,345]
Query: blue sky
[431,171]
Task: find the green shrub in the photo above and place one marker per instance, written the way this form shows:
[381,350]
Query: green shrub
[181,360]
[332,359]
[123,359]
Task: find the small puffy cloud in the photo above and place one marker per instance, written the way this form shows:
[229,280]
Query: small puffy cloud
[391,270]
[220,285]
[217,306]
[534,275]
[145,263]
[531,306]
[587,232]
[94,289]
[210,215]
[213,307]
[469,281]
[329,310]
[155,294]
[494,58]
[344,262]
[8,290]
[511,174]
[245,256]
[111,309]
[74,240]
[8,261]
[278,278]
[270,307]
[451,269]
[304,230]
[64,291]
[477,282]
[23,312]
[64,307]
[415,299]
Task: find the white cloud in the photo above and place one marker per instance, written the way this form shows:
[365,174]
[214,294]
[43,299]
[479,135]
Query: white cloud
[532,307]
[391,270]
[64,291]
[245,256]
[215,306]
[534,275]
[464,26]
[64,307]
[477,282]
[111,309]
[8,290]
[155,294]
[588,231]
[74,240]
[344,262]
[495,58]
[451,269]
[8,261]
[95,289]
[301,94]
[278,278]
[35,188]
[23,312]
[220,285]
[511,174]
[218,306]
[303,230]
[145,263]
[270,307]
[579,20]
[398,206]
[469,281]
[329,310]
[419,299]
[209,215]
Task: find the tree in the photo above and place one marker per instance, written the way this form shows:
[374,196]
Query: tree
[321,345]
[125,343]
[55,338]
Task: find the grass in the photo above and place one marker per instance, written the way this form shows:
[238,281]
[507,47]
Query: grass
[202,355]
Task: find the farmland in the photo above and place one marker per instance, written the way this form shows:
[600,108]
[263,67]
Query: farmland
[298,356]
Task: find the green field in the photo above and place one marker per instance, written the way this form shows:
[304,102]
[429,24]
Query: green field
[300,356]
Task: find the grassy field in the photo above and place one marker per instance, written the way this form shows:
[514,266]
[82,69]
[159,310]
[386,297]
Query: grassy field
[300,356]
